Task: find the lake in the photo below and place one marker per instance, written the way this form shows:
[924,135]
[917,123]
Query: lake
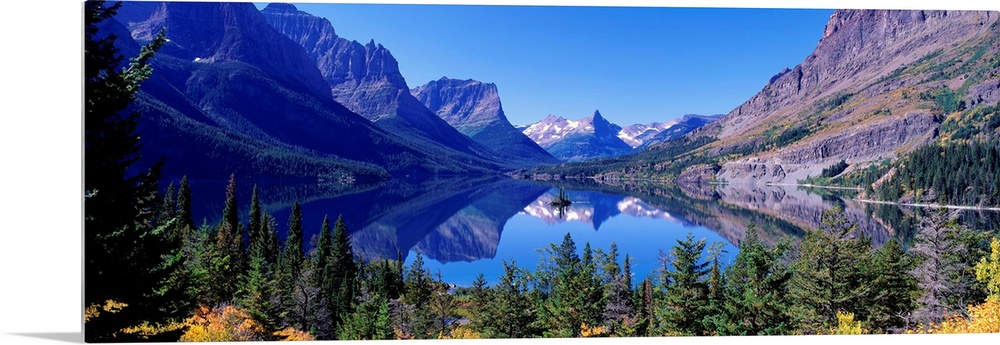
[466,226]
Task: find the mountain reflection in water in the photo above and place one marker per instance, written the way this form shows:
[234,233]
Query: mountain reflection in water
[466,226]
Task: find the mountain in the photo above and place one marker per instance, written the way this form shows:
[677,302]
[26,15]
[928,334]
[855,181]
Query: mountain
[229,94]
[879,84]
[643,135]
[366,79]
[578,140]
[474,109]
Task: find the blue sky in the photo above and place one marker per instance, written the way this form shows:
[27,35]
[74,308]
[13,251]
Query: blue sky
[634,64]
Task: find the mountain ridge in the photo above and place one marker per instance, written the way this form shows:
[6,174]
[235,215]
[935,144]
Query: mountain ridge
[577,140]
[230,94]
[366,79]
[475,109]
[878,85]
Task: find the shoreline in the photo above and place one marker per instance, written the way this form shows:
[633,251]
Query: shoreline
[869,201]
[954,207]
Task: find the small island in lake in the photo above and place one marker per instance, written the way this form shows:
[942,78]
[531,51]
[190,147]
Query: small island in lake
[561,200]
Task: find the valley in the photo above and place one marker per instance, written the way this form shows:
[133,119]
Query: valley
[857,191]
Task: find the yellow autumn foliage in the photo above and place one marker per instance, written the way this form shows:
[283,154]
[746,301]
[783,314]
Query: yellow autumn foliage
[588,331]
[110,306]
[461,333]
[847,325]
[983,318]
[292,334]
[225,323]
[988,269]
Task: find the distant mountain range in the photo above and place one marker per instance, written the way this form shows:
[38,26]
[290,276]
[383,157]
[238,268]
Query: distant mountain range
[643,135]
[276,93]
[879,84]
[577,140]
[596,137]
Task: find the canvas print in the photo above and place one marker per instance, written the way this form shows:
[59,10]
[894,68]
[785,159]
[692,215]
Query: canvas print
[276,171]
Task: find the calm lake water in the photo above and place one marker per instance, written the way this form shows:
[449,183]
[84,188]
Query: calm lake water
[466,226]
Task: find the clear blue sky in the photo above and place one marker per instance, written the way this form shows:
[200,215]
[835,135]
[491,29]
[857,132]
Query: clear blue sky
[636,65]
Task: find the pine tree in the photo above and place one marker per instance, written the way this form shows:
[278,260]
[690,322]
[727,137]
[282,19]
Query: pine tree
[686,301]
[942,273]
[829,276]
[325,327]
[511,308]
[561,314]
[230,269]
[290,264]
[755,300]
[417,294]
[184,206]
[575,294]
[168,206]
[591,290]
[254,223]
[344,271]
[131,268]
[480,297]
[619,310]
[892,288]
[442,306]
[371,320]
[257,294]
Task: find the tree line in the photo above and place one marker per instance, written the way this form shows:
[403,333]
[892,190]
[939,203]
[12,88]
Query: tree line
[240,283]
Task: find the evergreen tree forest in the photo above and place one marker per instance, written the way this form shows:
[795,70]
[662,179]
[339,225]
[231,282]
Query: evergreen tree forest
[152,274]
[833,281]
[954,173]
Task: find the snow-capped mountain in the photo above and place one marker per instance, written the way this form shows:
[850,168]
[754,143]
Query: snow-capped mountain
[577,140]
[643,135]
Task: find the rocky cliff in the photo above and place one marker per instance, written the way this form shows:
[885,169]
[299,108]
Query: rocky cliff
[868,91]
[474,109]
[366,79]
[231,94]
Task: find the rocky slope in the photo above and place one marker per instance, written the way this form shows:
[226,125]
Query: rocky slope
[366,79]
[474,109]
[578,140]
[231,94]
[872,89]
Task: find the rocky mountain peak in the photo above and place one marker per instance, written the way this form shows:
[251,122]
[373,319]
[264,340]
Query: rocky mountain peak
[575,140]
[462,103]
[853,98]
[281,7]
[474,108]
[208,32]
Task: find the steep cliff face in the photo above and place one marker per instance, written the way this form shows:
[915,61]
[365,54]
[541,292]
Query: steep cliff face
[223,32]
[231,94]
[867,92]
[366,79]
[474,109]
[577,140]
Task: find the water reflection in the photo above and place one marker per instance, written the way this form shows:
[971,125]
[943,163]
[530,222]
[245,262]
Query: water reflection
[480,221]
